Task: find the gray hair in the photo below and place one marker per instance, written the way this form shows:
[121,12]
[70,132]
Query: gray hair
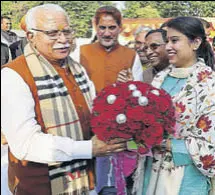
[31,14]
[141,29]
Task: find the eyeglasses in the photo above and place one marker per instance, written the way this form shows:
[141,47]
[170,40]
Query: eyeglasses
[153,46]
[54,34]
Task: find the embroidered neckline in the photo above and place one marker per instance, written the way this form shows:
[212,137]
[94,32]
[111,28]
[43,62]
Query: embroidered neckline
[181,73]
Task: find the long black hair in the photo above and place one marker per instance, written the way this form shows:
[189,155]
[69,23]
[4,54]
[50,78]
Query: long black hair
[193,28]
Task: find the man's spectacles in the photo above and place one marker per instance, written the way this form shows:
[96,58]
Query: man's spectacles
[153,46]
[54,34]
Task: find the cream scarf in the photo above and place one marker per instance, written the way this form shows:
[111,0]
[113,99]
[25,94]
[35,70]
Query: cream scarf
[181,73]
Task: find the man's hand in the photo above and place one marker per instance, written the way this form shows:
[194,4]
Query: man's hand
[3,139]
[124,76]
[101,148]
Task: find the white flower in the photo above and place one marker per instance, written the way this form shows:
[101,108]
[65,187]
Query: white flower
[143,101]
[132,87]
[120,118]
[111,99]
[136,93]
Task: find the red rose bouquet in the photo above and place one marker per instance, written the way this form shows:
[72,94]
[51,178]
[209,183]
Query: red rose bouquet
[133,110]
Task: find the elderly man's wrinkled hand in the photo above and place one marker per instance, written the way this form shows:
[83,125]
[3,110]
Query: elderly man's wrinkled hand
[101,148]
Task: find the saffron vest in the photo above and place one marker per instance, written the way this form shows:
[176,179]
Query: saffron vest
[27,177]
[102,66]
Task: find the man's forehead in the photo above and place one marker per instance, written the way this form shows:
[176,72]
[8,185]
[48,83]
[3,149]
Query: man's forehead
[157,36]
[106,19]
[52,20]
[141,36]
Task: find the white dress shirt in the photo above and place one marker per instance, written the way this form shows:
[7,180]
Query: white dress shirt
[137,69]
[22,131]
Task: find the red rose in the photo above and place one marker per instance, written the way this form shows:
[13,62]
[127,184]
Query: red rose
[99,131]
[119,104]
[123,135]
[134,113]
[165,105]
[134,126]
[148,119]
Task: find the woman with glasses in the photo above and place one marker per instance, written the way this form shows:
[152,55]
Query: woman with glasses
[185,164]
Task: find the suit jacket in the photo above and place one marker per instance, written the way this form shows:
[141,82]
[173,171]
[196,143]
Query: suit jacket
[4,54]
[148,75]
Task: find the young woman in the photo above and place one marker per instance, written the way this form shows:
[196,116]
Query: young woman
[187,165]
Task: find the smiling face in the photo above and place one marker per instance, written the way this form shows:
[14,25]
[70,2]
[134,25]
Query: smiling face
[139,45]
[107,31]
[53,50]
[181,51]
[156,52]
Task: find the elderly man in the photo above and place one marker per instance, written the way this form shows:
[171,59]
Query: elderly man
[156,53]
[139,44]
[46,101]
[139,36]
[154,48]
[103,61]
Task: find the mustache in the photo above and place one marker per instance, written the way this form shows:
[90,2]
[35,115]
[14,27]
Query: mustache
[59,46]
[107,37]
